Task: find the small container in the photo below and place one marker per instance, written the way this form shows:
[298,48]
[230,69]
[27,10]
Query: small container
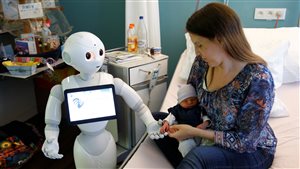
[20,69]
[155,51]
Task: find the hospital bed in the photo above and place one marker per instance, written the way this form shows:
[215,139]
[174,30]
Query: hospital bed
[280,47]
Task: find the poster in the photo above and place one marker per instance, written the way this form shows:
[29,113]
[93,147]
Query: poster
[31,10]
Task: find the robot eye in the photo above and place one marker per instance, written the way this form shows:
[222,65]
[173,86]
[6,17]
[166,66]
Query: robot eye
[88,55]
[100,52]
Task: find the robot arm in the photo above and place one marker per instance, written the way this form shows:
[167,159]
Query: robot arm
[134,101]
[52,119]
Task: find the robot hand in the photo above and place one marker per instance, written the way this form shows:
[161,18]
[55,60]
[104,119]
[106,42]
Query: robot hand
[50,149]
[153,130]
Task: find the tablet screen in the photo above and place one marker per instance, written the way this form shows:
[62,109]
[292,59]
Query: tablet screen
[90,104]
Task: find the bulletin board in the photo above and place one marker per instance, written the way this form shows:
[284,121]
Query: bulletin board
[23,16]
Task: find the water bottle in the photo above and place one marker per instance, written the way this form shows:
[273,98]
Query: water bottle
[132,43]
[142,36]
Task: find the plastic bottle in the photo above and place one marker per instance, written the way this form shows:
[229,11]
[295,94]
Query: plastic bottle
[142,35]
[132,43]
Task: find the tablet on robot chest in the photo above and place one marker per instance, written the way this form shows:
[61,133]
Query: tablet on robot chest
[90,104]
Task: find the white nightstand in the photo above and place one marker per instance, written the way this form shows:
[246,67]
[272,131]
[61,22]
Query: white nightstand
[137,75]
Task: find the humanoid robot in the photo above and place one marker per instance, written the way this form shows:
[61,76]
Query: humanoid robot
[94,147]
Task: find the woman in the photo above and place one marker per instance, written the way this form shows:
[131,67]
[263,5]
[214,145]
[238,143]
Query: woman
[235,87]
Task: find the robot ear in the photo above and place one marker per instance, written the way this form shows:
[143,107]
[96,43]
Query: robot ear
[66,57]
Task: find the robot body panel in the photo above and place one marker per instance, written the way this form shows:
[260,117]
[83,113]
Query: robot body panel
[86,151]
[53,108]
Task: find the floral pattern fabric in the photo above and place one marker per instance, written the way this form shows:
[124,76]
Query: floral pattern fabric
[240,110]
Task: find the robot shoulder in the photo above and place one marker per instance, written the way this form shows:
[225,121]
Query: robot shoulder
[69,82]
[106,78]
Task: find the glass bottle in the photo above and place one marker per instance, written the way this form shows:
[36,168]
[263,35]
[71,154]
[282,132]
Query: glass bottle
[132,42]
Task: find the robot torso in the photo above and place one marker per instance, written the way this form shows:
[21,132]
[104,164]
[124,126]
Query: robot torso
[99,78]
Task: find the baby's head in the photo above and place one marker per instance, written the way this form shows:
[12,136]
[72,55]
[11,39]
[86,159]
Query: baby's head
[187,97]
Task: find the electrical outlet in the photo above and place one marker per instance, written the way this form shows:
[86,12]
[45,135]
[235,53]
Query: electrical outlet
[270,13]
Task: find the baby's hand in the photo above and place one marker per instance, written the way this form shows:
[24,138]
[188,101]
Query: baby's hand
[201,126]
[164,128]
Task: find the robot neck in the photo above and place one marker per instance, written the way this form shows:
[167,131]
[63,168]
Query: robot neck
[86,76]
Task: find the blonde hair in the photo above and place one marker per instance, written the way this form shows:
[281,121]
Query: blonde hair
[218,21]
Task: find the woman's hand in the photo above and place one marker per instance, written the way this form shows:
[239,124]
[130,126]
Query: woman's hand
[182,131]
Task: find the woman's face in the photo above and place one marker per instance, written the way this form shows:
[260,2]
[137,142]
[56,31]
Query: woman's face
[210,51]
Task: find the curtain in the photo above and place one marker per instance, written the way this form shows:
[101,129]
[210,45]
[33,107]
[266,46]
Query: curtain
[150,10]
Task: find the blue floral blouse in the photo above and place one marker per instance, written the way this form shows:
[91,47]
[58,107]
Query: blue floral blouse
[240,110]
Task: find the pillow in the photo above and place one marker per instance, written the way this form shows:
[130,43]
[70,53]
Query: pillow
[190,55]
[291,71]
[269,36]
[279,109]
[274,48]
[273,53]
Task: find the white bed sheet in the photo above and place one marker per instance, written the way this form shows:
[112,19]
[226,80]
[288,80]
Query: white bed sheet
[286,130]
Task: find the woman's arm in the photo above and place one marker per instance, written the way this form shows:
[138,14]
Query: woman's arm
[183,131]
[252,116]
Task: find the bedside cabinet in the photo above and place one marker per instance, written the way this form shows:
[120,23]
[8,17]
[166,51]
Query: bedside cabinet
[137,74]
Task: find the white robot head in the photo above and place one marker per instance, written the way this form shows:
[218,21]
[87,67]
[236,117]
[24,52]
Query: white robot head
[84,51]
